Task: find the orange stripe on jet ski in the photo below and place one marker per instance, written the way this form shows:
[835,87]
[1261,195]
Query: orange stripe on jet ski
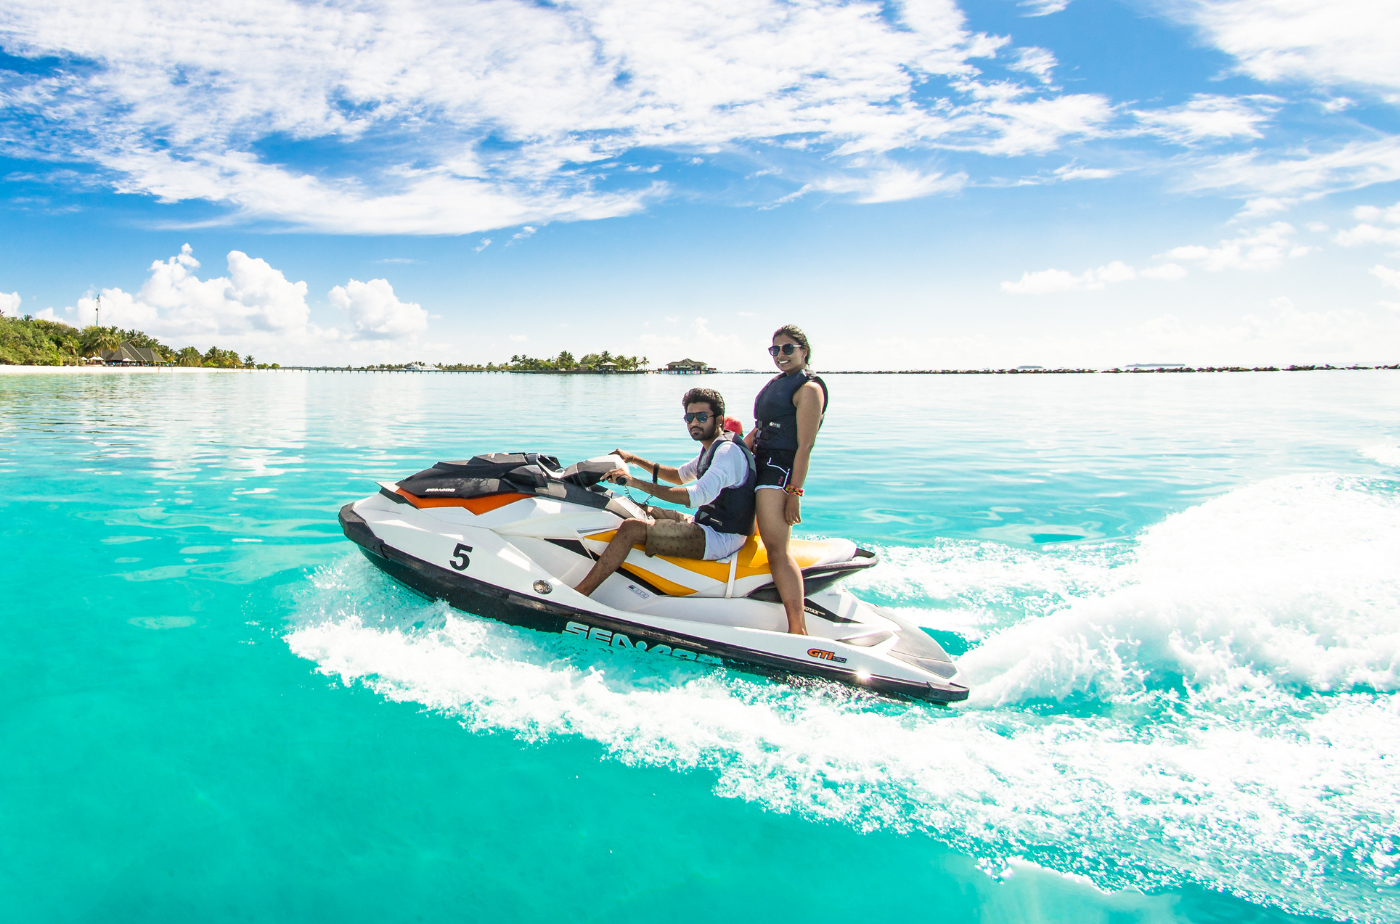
[477,505]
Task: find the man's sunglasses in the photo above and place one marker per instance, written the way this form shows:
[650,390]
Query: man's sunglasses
[702,416]
[786,349]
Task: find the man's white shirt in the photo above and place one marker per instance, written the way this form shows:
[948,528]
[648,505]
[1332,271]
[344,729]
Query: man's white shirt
[728,469]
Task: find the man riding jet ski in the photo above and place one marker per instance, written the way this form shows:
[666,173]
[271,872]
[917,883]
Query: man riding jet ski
[515,537]
[723,474]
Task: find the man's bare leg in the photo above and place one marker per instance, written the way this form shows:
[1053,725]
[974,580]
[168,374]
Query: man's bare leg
[630,533]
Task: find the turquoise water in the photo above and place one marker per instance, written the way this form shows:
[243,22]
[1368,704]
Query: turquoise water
[1177,595]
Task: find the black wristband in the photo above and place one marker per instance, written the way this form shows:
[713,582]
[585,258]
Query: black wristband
[655,469]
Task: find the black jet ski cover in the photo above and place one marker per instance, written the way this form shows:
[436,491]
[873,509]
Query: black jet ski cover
[482,476]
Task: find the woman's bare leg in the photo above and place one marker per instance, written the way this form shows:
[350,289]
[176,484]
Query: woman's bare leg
[774,528]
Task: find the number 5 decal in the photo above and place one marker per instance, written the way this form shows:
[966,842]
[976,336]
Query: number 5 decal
[459,557]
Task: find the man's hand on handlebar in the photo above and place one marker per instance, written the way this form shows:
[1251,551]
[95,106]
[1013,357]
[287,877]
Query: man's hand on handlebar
[616,476]
[624,455]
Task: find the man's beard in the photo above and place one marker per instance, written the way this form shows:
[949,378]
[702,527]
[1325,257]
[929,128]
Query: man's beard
[706,435]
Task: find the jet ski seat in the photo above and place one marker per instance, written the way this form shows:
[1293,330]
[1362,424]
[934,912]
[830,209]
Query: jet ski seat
[823,562]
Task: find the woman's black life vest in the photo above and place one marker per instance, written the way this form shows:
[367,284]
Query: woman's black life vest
[733,510]
[775,413]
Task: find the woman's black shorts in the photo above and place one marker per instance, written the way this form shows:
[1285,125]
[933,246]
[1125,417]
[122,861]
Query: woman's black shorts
[774,467]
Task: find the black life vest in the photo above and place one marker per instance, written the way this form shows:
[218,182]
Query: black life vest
[733,510]
[775,413]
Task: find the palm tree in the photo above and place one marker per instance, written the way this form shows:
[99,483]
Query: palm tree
[99,339]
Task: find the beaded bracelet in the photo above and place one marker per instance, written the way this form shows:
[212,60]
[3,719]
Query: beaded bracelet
[795,492]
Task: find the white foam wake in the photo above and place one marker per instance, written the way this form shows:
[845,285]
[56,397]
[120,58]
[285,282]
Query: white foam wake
[1163,723]
[1384,454]
[1293,581]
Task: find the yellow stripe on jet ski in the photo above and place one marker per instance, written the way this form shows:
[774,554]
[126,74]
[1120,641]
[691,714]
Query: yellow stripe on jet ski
[669,588]
[753,560]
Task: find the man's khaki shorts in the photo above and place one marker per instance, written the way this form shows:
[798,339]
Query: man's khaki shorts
[675,534]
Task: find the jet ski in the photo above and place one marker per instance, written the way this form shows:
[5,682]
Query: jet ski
[508,535]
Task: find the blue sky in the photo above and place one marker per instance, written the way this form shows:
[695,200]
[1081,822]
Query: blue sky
[919,184]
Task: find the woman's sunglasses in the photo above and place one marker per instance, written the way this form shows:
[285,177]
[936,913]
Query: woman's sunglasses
[701,416]
[786,349]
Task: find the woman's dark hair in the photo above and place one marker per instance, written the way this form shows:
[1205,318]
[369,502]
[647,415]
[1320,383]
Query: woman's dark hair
[707,395]
[795,332]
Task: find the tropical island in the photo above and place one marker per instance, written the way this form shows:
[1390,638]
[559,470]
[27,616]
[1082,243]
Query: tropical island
[32,341]
[564,362]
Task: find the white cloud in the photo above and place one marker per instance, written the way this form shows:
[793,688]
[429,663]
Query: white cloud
[1375,213]
[519,338]
[1049,281]
[175,302]
[1387,276]
[1043,7]
[1303,172]
[420,97]
[1115,272]
[1054,280]
[1264,205]
[1210,117]
[1071,172]
[888,184]
[376,312]
[1166,271]
[48,315]
[1045,281]
[1369,232]
[1315,41]
[1038,62]
[1040,125]
[523,234]
[254,307]
[485,242]
[9,304]
[1261,249]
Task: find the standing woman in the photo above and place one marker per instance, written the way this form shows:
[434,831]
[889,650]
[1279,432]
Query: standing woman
[787,413]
